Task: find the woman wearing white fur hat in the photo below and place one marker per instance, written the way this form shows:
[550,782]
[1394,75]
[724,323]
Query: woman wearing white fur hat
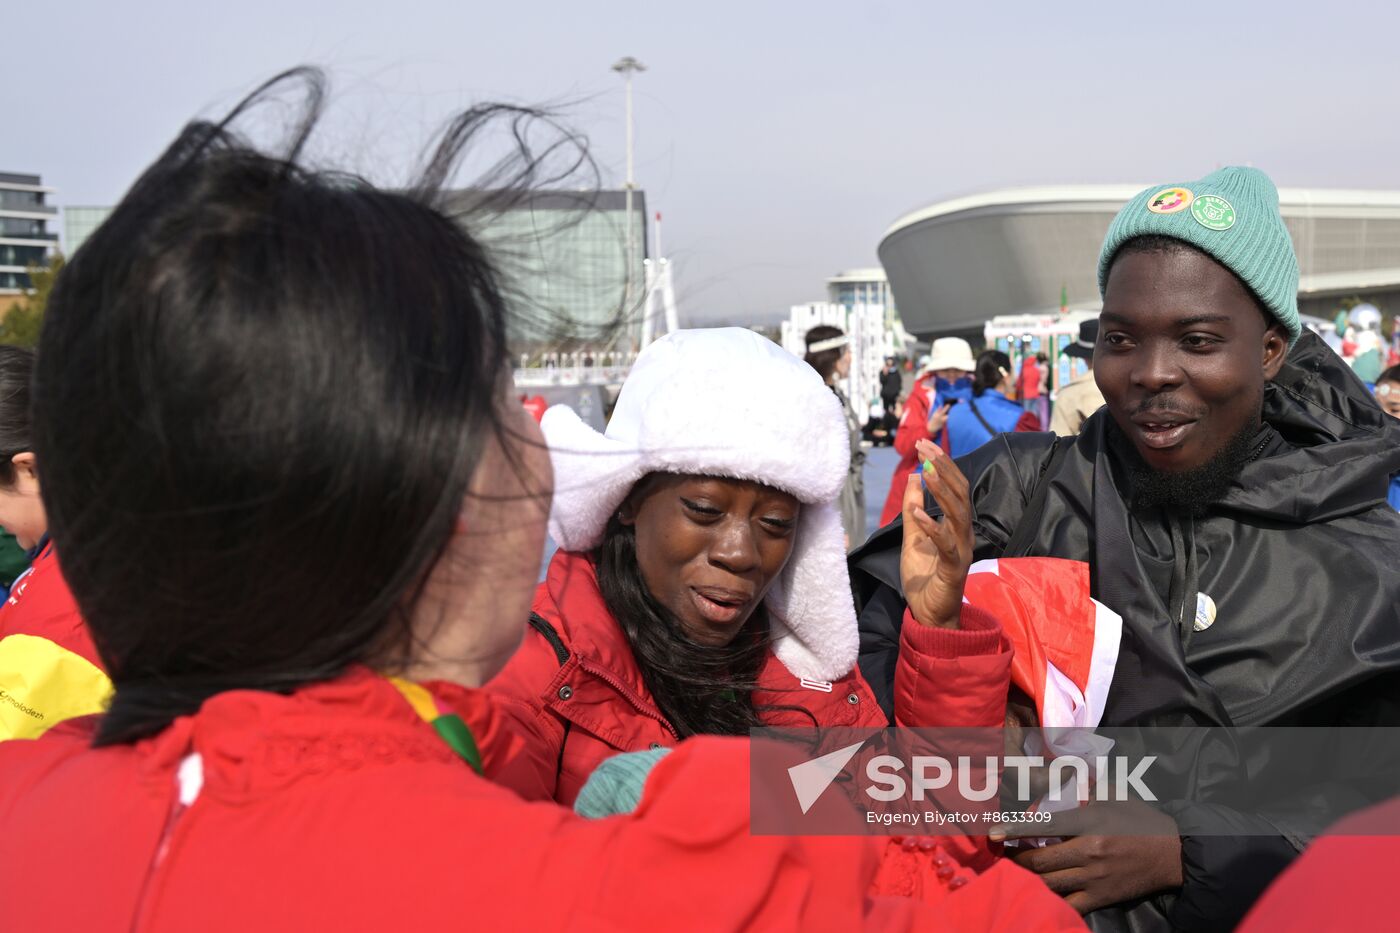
[701,585]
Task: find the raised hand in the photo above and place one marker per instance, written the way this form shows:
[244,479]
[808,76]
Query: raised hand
[936,554]
[937,419]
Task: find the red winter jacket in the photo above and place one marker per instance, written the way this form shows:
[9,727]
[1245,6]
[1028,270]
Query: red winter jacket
[584,699]
[913,427]
[338,808]
[1030,378]
[1342,880]
[49,668]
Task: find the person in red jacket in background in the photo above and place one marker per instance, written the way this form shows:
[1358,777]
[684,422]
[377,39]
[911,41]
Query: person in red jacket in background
[944,380]
[49,669]
[303,533]
[1028,386]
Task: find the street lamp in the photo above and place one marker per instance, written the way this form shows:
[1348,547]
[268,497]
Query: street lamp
[627,67]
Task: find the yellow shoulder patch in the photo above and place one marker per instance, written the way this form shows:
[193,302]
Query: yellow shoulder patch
[42,684]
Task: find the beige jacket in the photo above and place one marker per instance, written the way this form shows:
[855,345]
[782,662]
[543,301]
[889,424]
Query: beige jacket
[1076,401]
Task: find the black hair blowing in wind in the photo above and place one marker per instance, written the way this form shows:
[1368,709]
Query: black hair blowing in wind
[261,394]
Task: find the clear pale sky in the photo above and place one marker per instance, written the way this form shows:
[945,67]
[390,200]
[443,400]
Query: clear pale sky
[780,140]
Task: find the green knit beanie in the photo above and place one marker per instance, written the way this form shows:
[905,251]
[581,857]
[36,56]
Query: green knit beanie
[1231,214]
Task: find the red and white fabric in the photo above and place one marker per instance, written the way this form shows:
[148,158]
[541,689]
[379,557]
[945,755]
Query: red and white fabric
[1065,644]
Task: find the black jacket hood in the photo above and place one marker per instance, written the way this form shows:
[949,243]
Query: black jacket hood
[1344,446]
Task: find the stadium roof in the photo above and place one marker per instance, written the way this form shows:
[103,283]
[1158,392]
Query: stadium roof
[957,263]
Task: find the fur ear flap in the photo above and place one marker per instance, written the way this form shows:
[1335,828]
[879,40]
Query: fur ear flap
[812,611]
[592,474]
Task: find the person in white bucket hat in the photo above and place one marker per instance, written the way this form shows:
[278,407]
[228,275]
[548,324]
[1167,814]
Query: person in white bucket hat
[700,586]
[945,375]
[950,359]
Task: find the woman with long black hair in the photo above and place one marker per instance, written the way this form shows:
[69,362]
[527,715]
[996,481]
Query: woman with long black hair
[302,513]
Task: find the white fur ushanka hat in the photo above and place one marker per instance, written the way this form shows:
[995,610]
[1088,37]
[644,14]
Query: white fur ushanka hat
[726,402]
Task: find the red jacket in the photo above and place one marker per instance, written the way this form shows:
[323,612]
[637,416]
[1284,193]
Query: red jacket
[49,668]
[338,808]
[40,603]
[583,697]
[1342,880]
[913,427]
[1030,378]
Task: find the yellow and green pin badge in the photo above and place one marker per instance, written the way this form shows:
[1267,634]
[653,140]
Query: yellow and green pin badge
[1170,200]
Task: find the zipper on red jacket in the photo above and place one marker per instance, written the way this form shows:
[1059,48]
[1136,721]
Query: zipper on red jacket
[540,624]
[629,696]
[189,780]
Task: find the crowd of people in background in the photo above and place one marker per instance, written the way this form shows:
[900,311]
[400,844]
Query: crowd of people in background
[901,421]
[282,658]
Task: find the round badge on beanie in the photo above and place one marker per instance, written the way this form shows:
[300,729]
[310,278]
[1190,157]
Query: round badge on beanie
[1170,200]
[1233,216]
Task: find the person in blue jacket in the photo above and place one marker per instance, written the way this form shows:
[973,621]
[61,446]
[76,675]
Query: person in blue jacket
[989,411]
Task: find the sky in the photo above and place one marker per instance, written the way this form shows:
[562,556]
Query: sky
[779,140]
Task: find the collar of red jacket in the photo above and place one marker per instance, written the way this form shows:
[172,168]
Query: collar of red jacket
[572,603]
[253,742]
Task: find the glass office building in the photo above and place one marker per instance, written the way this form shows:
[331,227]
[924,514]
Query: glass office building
[25,239]
[863,287]
[564,258]
[79,224]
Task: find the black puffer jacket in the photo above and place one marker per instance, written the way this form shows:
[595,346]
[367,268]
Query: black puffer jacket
[1301,557]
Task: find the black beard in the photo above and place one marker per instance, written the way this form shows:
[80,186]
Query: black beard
[1190,492]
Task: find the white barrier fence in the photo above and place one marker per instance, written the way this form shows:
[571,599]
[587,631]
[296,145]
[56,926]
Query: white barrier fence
[581,367]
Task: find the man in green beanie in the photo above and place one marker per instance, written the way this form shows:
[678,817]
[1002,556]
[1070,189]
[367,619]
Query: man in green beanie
[1230,501]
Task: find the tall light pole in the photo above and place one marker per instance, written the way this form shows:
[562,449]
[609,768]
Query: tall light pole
[626,67]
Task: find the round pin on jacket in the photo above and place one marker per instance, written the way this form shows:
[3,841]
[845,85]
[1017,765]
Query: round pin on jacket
[1205,613]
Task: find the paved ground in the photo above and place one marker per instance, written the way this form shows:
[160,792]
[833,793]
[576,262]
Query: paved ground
[879,469]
